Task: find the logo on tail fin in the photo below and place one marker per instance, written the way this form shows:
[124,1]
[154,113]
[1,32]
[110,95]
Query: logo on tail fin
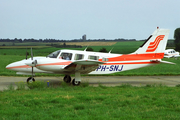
[153,45]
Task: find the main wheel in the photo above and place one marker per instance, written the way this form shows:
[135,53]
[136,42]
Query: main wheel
[75,83]
[30,80]
[67,79]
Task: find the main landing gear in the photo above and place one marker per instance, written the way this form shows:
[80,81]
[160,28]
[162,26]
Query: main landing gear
[76,81]
[67,79]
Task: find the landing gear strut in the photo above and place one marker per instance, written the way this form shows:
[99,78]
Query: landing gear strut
[30,80]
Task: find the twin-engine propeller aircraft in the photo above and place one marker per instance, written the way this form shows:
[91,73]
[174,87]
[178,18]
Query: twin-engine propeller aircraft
[77,62]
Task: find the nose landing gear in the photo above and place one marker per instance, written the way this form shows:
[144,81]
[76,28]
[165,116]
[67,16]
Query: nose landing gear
[75,83]
[30,80]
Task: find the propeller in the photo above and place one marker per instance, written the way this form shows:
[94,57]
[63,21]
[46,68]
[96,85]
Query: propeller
[31,62]
[26,53]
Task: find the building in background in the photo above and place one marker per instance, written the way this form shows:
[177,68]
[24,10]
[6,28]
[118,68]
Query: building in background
[84,37]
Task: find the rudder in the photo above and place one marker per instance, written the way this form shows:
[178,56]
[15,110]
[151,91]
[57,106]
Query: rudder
[156,43]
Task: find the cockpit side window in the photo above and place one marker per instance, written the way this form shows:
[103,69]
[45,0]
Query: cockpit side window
[54,54]
[66,56]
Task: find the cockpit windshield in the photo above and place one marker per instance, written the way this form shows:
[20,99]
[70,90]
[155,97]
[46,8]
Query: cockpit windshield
[54,54]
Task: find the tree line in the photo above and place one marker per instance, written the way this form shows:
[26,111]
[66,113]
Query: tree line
[177,39]
[56,40]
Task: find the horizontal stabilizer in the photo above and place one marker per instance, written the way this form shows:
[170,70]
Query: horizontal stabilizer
[167,62]
[159,60]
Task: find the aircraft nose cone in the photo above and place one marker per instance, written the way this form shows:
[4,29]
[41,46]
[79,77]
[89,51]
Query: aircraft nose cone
[13,65]
[9,66]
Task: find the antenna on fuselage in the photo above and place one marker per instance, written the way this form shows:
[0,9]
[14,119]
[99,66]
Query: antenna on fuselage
[86,48]
[111,50]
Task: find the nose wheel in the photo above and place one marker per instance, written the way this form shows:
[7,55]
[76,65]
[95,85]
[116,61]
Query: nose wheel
[30,80]
[75,83]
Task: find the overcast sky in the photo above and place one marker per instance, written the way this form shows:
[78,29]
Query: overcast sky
[98,19]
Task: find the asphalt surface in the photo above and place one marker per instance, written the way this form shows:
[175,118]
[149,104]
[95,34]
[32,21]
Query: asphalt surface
[170,81]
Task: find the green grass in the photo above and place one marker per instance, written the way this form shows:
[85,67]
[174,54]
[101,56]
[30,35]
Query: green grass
[121,102]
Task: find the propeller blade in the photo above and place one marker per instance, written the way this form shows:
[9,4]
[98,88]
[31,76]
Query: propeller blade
[32,72]
[26,53]
[31,54]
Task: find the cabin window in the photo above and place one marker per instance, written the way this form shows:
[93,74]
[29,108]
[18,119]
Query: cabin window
[66,56]
[93,57]
[79,57]
[104,59]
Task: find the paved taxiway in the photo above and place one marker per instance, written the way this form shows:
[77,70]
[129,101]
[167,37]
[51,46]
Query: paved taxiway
[96,80]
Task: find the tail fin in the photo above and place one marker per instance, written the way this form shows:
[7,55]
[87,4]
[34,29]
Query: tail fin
[156,43]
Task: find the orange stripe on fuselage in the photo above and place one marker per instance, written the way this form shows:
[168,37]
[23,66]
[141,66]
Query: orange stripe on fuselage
[130,63]
[134,57]
[26,66]
[22,66]
[59,63]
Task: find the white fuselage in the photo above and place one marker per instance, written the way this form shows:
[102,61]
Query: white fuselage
[56,64]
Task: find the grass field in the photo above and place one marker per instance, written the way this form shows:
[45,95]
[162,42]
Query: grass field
[93,43]
[85,102]
[66,102]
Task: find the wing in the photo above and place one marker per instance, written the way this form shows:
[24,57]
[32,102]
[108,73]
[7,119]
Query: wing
[82,66]
[177,56]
